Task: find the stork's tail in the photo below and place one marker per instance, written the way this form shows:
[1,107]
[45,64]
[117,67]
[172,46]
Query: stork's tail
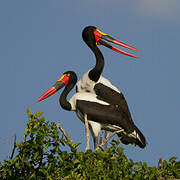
[135,138]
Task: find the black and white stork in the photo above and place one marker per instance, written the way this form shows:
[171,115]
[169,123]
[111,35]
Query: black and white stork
[100,113]
[92,81]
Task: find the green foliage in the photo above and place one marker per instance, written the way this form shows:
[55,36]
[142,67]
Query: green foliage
[39,156]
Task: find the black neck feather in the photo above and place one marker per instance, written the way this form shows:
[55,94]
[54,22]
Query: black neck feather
[63,97]
[95,73]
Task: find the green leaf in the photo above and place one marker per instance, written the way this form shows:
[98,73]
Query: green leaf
[38,114]
[41,155]
[172,159]
[29,112]
[33,176]
[76,161]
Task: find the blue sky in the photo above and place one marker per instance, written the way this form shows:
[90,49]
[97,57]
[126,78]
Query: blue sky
[39,40]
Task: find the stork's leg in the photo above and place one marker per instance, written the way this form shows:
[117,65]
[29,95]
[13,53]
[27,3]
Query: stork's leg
[87,132]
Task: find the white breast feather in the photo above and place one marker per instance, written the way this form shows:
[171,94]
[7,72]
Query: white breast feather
[86,97]
[87,85]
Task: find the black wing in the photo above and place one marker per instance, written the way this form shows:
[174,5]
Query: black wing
[112,115]
[111,96]
[106,114]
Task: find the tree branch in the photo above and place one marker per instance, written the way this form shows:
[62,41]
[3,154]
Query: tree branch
[105,145]
[65,133]
[109,136]
[101,137]
[14,146]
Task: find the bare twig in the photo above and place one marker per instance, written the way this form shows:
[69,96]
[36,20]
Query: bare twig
[160,163]
[87,131]
[105,145]
[109,136]
[101,137]
[103,133]
[14,146]
[65,133]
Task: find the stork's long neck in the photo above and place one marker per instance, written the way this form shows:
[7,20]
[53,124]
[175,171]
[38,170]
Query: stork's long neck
[95,73]
[63,97]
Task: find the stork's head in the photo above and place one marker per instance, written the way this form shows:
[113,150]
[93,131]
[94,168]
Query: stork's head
[92,36]
[68,78]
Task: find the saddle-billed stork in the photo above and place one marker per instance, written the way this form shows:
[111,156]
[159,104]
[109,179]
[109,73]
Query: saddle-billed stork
[92,81]
[100,113]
